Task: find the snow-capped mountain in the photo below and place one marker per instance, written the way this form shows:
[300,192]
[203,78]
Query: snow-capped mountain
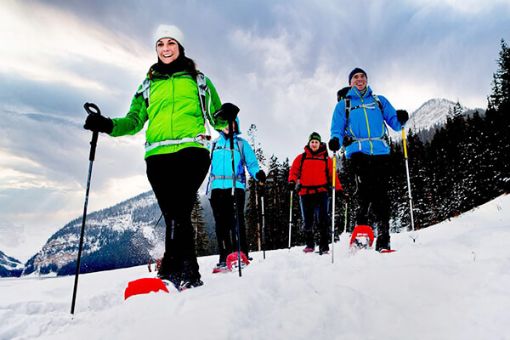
[124,235]
[432,113]
[121,236]
[9,266]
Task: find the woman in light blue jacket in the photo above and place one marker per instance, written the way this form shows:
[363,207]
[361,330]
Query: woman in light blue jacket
[220,189]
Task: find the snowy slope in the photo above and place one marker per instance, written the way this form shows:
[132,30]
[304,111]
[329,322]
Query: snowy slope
[453,283]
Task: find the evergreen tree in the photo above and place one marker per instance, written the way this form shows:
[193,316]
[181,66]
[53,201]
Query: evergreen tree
[197,219]
[501,80]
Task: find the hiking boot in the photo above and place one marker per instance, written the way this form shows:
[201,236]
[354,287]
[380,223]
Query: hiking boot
[180,282]
[221,267]
[324,250]
[383,242]
[308,250]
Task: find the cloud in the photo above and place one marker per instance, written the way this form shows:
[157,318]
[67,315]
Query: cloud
[38,41]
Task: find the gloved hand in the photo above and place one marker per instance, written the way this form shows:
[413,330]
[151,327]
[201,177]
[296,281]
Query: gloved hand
[261,176]
[292,186]
[98,123]
[334,144]
[227,111]
[402,116]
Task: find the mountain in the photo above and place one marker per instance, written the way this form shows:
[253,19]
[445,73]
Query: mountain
[9,266]
[124,235]
[432,114]
[121,236]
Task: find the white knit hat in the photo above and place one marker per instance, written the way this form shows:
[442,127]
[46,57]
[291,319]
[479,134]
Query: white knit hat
[168,31]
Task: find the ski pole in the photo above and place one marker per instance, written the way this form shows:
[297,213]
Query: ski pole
[236,212]
[333,209]
[404,142]
[91,109]
[290,218]
[263,225]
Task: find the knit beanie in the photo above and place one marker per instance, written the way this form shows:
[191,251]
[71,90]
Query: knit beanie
[353,72]
[168,31]
[315,136]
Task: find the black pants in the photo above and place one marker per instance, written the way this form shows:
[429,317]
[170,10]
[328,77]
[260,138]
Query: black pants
[223,211]
[314,208]
[372,176]
[175,179]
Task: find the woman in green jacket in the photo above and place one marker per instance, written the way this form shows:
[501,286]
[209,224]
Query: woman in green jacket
[176,100]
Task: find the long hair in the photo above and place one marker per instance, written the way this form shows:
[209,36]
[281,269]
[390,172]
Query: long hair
[188,63]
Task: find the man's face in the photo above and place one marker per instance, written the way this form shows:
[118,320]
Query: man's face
[359,80]
[314,145]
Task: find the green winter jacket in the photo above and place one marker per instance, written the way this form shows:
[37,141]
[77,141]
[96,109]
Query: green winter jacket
[173,112]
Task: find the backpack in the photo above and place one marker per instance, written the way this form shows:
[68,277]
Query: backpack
[239,144]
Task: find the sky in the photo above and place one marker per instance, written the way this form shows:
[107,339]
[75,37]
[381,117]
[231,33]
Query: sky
[453,283]
[280,61]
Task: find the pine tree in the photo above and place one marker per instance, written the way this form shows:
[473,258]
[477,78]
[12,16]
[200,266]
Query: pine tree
[501,80]
[197,219]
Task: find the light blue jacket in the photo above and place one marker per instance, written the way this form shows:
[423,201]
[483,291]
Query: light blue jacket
[365,124]
[220,176]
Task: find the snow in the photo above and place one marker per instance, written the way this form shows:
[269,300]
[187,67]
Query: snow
[452,283]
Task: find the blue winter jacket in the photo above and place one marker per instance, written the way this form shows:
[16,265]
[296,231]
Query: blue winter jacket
[365,124]
[220,176]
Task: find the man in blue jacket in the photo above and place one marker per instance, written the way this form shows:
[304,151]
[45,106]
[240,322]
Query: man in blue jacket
[360,120]
[220,190]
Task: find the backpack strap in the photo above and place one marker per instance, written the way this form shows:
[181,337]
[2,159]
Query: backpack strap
[145,91]
[347,102]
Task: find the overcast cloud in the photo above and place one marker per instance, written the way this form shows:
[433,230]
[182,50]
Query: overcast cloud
[280,61]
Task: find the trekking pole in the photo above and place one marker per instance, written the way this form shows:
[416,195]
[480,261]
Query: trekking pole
[263,224]
[236,211]
[333,210]
[91,109]
[404,142]
[290,217]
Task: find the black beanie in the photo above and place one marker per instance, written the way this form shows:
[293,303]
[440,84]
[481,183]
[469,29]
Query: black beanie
[315,136]
[353,72]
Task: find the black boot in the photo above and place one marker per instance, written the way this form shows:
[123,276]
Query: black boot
[383,242]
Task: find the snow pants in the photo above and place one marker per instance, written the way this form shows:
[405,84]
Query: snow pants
[372,177]
[314,209]
[223,211]
[175,179]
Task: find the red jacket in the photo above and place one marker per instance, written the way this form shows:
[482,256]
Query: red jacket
[314,172]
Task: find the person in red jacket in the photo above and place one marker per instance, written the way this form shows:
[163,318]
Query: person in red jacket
[311,175]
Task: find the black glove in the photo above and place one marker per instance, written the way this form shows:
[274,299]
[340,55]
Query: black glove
[261,176]
[292,185]
[402,116]
[227,111]
[98,123]
[334,144]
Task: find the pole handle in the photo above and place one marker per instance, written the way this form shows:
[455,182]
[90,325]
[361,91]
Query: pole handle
[404,142]
[92,109]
